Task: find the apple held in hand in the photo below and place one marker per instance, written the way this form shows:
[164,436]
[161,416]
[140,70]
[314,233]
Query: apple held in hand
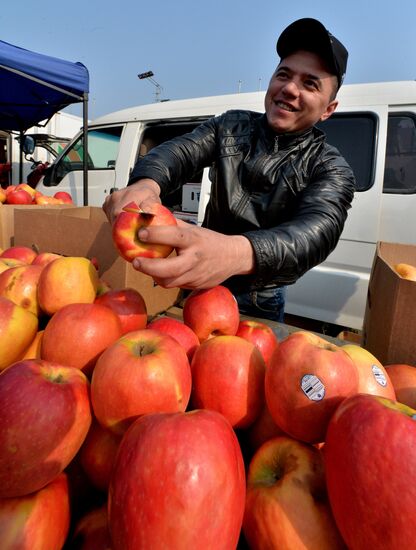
[144,371]
[259,334]
[178,330]
[211,312]
[178,482]
[372,376]
[45,415]
[308,377]
[228,377]
[403,378]
[129,305]
[130,221]
[370,466]
[36,521]
[286,503]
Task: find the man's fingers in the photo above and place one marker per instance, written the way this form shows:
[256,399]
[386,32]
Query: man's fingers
[165,234]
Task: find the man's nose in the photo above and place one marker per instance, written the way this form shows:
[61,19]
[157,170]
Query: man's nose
[291,88]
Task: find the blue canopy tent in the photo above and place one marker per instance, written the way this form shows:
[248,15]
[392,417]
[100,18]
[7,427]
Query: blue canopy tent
[33,87]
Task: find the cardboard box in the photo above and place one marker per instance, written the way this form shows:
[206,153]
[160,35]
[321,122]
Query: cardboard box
[389,330]
[7,220]
[85,231]
[190,197]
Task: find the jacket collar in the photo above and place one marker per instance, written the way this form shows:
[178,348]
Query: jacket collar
[287,140]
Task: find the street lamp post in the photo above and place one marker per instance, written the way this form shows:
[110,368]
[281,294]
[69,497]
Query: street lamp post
[148,75]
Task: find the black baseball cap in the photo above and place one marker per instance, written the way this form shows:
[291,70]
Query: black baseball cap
[310,35]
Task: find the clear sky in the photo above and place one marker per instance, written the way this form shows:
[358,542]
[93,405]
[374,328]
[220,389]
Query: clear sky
[201,48]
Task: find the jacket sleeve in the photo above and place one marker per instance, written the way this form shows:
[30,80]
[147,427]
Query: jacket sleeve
[284,253]
[174,162]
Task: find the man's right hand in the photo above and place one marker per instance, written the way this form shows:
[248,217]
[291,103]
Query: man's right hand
[144,193]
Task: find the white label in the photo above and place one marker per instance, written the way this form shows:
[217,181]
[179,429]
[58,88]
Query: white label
[312,387]
[379,375]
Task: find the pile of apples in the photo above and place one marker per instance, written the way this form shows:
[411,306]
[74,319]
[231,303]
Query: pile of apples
[23,193]
[127,432]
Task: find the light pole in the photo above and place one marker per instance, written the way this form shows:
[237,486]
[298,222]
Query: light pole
[149,76]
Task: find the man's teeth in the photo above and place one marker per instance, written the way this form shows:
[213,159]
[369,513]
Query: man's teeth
[284,106]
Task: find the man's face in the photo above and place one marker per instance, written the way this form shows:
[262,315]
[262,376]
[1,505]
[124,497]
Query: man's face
[300,93]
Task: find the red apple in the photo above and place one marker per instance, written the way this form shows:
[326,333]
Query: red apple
[22,253]
[370,466]
[286,503]
[36,521]
[65,197]
[44,258]
[20,285]
[129,305]
[19,196]
[26,187]
[372,376]
[263,429]
[129,222]
[78,333]
[308,377]
[44,418]
[7,263]
[67,280]
[184,472]
[97,455]
[228,377]
[403,378]
[91,531]
[178,330]
[259,334]
[211,312]
[144,371]
[18,328]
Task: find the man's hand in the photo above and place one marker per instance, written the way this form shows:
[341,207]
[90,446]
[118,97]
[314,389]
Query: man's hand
[204,258]
[144,193]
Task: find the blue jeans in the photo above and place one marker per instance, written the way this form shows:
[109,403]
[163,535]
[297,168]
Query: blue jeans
[266,303]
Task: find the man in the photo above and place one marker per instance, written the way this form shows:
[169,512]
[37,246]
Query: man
[279,195]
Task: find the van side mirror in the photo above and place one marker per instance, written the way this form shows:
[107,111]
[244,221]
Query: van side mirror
[28,145]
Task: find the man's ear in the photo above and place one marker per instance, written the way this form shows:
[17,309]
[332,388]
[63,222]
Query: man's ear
[329,110]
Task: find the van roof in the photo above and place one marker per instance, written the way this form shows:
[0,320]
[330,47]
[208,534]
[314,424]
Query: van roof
[350,95]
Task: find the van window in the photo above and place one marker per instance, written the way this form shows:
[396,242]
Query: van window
[354,135]
[103,146]
[400,167]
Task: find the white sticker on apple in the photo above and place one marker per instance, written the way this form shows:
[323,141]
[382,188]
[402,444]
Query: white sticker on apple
[379,375]
[312,387]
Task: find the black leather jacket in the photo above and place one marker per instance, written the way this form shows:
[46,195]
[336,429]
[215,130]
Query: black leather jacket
[288,194]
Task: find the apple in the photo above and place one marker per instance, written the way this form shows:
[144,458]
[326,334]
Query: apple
[44,258]
[129,305]
[19,196]
[41,199]
[228,377]
[286,503]
[65,197]
[370,466]
[144,371]
[36,521]
[263,429]
[22,253]
[178,482]
[178,330]
[18,328]
[259,334]
[45,415]
[211,312]
[403,378]
[26,187]
[7,263]
[407,271]
[20,285]
[372,376]
[67,280]
[307,378]
[77,334]
[91,531]
[3,195]
[130,221]
[97,455]
[33,351]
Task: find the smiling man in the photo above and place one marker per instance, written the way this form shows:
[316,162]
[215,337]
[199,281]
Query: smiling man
[280,193]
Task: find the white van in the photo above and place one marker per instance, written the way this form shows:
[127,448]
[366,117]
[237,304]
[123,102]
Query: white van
[375,129]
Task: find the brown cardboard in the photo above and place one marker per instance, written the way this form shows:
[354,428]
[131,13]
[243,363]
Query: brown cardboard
[7,220]
[85,231]
[389,330]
